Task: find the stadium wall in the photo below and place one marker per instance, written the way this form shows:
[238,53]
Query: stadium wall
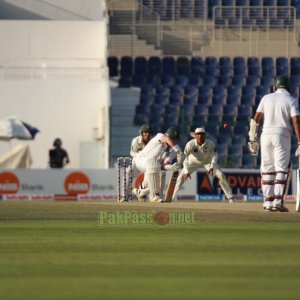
[53,75]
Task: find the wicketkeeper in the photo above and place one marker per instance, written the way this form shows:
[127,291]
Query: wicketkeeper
[200,153]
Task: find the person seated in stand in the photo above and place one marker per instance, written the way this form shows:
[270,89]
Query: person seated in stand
[58,157]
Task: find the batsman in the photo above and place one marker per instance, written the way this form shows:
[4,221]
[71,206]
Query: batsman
[151,160]
[276,109]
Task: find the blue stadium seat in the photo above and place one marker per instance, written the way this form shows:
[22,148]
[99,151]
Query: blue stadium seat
[200,9]
[212,131]
[253,65]
[238,80]
[196,80]
[295,80]
[113,66]
[148,89]
[183,66]
[237,138]
[142,109]
[154,65]
[222,149]
[267,80]
[239,65]
[181,80]
[140,66]
[248,99]
[224,139]
[160,7]
[167,80]
[248,90]
[242,10]
[234,90]
[190,99]
[245,110]
[187,109]
[200,110]
[233,99]
[162,90]
[209,80]
[230,109]
[225,62]
[295,61]
[235,149]
[157,109]
[215,111]
[267,66]
[138,80]
[169,66]
[125,82]
[197,66]
[162,99]
[191,90]
[140,119]
[219,90]
[173,10]
[211,4]
[249,161]
[219,99]
[186,9]
[205,91]
[253,80]
[126,66]
[270,2]
[282,66]
[153,79]
[224,80]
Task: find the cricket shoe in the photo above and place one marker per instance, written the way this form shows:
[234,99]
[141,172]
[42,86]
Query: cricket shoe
[140,193]
[268,208]
[280,208]
[157,199]
[123,200]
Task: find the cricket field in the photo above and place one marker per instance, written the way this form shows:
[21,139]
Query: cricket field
[83,250]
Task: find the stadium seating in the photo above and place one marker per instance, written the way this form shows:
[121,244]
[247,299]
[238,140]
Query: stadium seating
[172,88]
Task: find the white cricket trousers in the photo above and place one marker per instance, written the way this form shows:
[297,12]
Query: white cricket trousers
[275,159]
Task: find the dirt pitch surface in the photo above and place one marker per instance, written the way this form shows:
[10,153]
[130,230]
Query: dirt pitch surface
[205,211]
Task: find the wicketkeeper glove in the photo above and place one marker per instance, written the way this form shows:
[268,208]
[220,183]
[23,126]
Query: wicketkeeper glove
[253,148]
[297,153]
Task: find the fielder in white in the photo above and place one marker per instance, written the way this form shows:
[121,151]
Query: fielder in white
[200,153]
[277,109]
[152,159]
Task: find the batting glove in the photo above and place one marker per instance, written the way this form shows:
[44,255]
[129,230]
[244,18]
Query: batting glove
[253,148]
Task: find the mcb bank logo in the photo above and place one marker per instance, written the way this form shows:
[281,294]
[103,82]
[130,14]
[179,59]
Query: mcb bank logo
[77,183]
[9,183]
[161,218]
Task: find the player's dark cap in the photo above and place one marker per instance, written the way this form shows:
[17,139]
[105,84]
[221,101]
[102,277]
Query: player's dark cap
[146,128]
[173,133]
[282,82]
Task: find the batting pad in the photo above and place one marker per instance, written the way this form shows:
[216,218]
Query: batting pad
[153,176]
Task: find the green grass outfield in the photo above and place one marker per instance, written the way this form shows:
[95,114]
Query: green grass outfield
[58,251]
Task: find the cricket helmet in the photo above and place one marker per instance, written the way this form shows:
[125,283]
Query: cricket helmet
[146,128]
[282,82]
[173,133]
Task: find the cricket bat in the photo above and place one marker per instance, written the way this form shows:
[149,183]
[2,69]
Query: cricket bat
[171,186]
[298,189]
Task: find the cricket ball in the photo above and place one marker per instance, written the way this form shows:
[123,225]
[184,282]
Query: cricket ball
[162,218]
[225,125]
